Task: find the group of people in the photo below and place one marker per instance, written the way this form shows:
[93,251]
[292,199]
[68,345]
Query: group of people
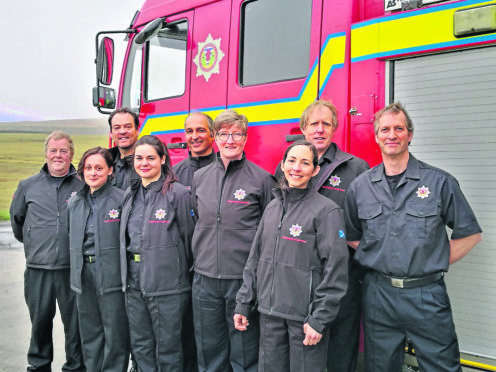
[216,265]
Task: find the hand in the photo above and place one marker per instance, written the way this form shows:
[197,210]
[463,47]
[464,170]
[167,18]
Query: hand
[312,337]
[240,322]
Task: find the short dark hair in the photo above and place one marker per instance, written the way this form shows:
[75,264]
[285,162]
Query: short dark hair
[161,149]
[124,110]
[393,108]
[94,151]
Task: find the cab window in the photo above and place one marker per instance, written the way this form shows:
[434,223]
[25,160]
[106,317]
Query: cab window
[166,62]
[275,40]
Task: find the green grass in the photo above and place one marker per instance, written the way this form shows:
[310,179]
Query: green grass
[22,155]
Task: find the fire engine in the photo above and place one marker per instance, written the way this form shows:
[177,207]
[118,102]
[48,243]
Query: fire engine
[268,59]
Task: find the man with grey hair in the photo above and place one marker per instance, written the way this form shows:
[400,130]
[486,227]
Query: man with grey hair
[229,197]
[38,215]
[199,135]
[396,217]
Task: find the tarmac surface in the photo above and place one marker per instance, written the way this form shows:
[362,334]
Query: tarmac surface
[15,326]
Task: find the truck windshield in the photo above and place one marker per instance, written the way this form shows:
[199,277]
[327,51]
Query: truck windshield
[132,80]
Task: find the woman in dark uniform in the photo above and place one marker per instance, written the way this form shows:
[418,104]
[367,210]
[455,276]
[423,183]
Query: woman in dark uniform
[296,271]
[156,231]
[94,225]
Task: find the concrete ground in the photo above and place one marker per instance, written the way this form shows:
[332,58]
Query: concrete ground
[15,326]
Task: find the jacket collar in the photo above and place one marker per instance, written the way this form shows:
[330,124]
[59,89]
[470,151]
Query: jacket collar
[232,164]
[334,154]
[290,194]
[101,192]
[72,171]
[201,161]
[116,155]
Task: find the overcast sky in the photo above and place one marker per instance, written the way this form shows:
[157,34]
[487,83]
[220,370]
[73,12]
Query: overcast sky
[48,49]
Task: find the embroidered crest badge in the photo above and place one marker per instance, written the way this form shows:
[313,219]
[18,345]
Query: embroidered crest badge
[335,180]
[423,192]
[208,58]
[113,213]
[240,194]
[295,230]
[160,214]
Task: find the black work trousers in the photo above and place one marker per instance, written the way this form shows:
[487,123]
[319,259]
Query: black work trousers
[43,289]
[282,349]
[103,326]
[422,314]
[221,347]
[155,325]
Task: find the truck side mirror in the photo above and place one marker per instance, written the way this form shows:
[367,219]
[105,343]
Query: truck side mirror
[105,61]
[104,97]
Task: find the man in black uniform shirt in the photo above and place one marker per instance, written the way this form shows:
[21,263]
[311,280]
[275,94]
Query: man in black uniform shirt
[396,218]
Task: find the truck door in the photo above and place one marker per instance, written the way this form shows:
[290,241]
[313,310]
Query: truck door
[165,82]
[210,58]
[273,70]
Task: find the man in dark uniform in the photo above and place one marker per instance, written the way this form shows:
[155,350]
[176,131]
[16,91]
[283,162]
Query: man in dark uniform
[38,214]
[124,129]
[337,170]
[396,217]
[199,134]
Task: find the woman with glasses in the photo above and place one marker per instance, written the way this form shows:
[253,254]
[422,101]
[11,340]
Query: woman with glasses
[229,197]
[157,225]
[296,273]
[94,216]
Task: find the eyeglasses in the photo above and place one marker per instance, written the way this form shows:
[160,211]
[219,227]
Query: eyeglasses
[224,137]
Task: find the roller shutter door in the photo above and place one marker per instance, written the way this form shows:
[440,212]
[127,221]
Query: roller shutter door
[451,98]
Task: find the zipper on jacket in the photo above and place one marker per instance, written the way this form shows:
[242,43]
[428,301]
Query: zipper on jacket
[146,213]
[276,249]
[98,273]
[219,220]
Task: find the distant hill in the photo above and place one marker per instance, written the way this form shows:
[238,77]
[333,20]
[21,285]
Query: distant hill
[73,126]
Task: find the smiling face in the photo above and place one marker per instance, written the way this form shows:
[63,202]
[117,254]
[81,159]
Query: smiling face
[198,136]
[392,135]
[298,167]
[58,157]
[124,133]
[147,163]
[96,172]
[319,129]
[231,148]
